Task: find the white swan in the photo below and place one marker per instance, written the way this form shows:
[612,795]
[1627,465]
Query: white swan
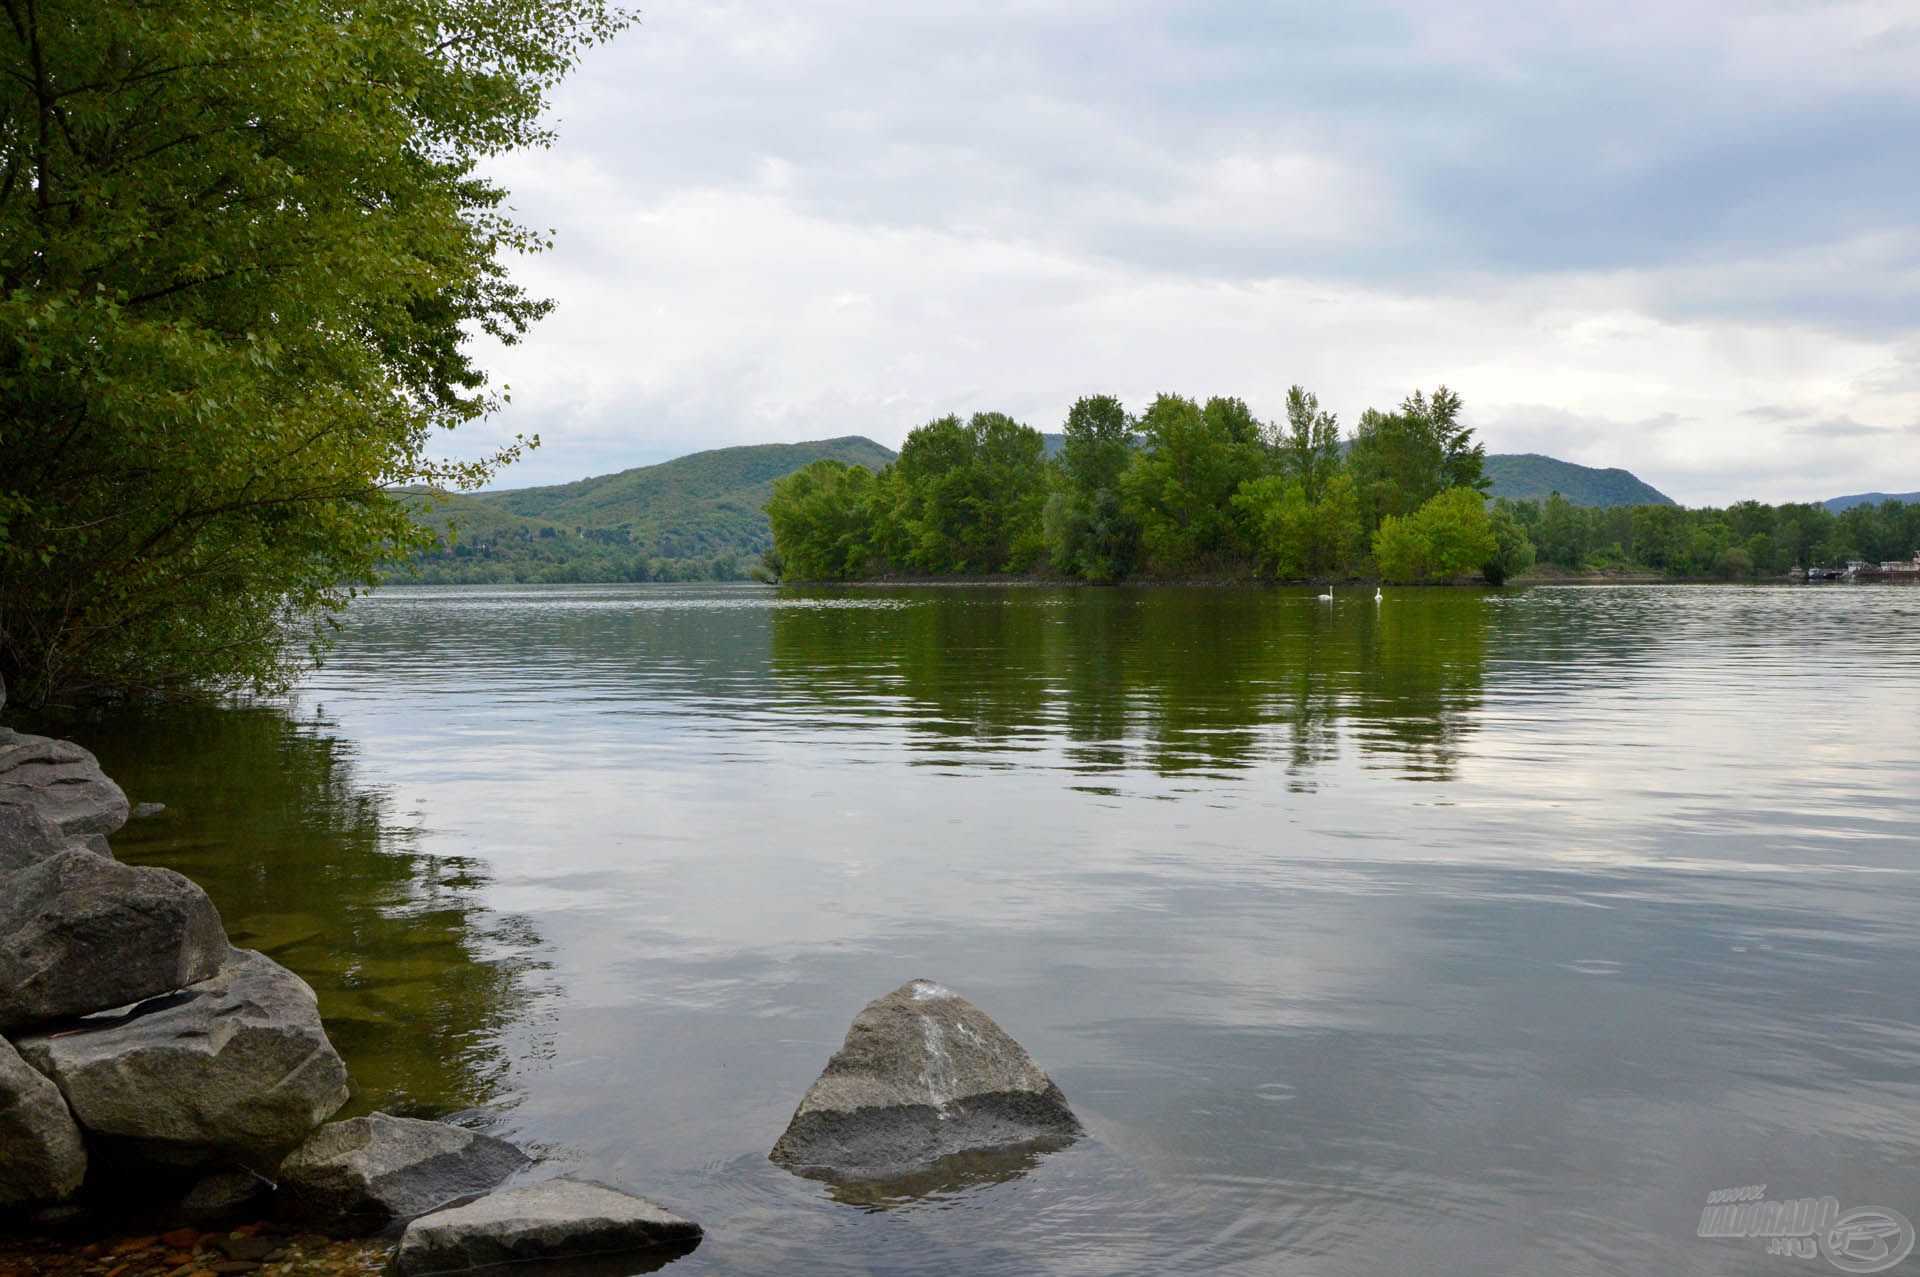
[1328,596]
[1377,596]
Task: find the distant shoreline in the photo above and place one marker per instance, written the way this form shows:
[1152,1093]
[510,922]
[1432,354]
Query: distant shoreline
[1222,582]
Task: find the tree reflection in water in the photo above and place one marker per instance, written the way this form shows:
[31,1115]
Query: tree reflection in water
[310,863]
[1179,682]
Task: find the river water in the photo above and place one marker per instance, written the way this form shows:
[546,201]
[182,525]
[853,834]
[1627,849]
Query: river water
[1460,933]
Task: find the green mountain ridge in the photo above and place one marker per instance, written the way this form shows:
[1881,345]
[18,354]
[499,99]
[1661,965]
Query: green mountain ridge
[698,516]
[1529,476]
[1839,505]
[703,515]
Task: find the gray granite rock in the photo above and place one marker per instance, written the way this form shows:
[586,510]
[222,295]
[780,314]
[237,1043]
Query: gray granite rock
[80,933]
[924,1075]
[26,839]
[62,782]
[368,1173]
[41,1156]
[235,1068]
[550,1220]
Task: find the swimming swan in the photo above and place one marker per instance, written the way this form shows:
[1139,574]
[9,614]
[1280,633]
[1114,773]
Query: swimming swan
[1328,596]
[1377,596]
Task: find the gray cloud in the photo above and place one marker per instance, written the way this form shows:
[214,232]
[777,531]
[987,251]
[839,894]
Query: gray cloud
[1597,221]
[1842,428]
[1240,141]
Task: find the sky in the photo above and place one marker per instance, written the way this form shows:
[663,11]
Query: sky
[1679,238]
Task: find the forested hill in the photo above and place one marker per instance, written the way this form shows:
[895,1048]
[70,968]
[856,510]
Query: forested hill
[1839,505]
[1528,476]
[697,516]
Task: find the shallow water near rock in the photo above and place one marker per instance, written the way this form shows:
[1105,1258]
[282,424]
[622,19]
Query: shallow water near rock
[1469,932]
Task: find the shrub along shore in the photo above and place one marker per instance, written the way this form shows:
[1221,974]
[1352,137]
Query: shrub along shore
[1191,492]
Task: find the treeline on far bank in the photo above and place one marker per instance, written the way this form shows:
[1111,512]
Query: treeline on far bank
[1183,490]
[1208,490]
[1744,541]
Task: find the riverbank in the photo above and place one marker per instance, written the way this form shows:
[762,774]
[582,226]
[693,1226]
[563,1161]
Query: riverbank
[167,1097]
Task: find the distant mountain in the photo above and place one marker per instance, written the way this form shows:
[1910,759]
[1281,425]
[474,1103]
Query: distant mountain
[697,515]
[1528,476]
[1836,504]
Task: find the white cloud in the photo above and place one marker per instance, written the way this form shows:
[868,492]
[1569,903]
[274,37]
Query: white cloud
[777,224]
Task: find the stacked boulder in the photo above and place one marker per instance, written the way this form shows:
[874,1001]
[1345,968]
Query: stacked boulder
[132,1034]
[128,1025]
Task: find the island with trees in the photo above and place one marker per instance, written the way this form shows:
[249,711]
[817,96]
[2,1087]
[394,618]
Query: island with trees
[1186,490]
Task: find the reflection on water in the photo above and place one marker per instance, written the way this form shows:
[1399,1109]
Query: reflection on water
[1176,681]
[1472,933]
[310,863]
[950,1176]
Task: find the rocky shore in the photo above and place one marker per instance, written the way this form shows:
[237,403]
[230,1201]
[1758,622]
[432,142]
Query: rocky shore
[150,1071]
[168,1101]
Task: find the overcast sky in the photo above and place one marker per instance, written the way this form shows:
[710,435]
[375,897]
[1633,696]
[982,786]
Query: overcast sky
[1683,238]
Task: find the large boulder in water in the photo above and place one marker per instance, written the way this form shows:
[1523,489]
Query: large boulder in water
[235,1068]
[366,1173]
[81,933]
[41,1156]
[62,782]
[924,1076]
[555,1219]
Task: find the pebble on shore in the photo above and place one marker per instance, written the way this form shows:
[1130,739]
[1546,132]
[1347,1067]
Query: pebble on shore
[261,1247]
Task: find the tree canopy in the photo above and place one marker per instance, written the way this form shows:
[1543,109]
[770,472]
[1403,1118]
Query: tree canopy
[1185,489]
[242,249]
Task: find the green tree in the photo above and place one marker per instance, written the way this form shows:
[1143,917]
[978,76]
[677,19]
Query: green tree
[822,517]
[1089,532]
[1310,448]
[241,250]
[968,496]
[1180,488]
[1450,536]
[1297,538]
[1402,460]
[1513,551]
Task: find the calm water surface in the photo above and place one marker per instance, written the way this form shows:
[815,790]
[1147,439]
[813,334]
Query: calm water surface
[1472,933]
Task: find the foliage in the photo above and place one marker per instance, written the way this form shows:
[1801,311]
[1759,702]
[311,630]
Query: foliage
[1187,488]
[824,512]
[1746,539]
[1310,447]
[1297,537]
[696,517]
[241,247]
[963,497]
[1089,532]
[1181,484]
[1513,551]
[1402,460]
[1450,536]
